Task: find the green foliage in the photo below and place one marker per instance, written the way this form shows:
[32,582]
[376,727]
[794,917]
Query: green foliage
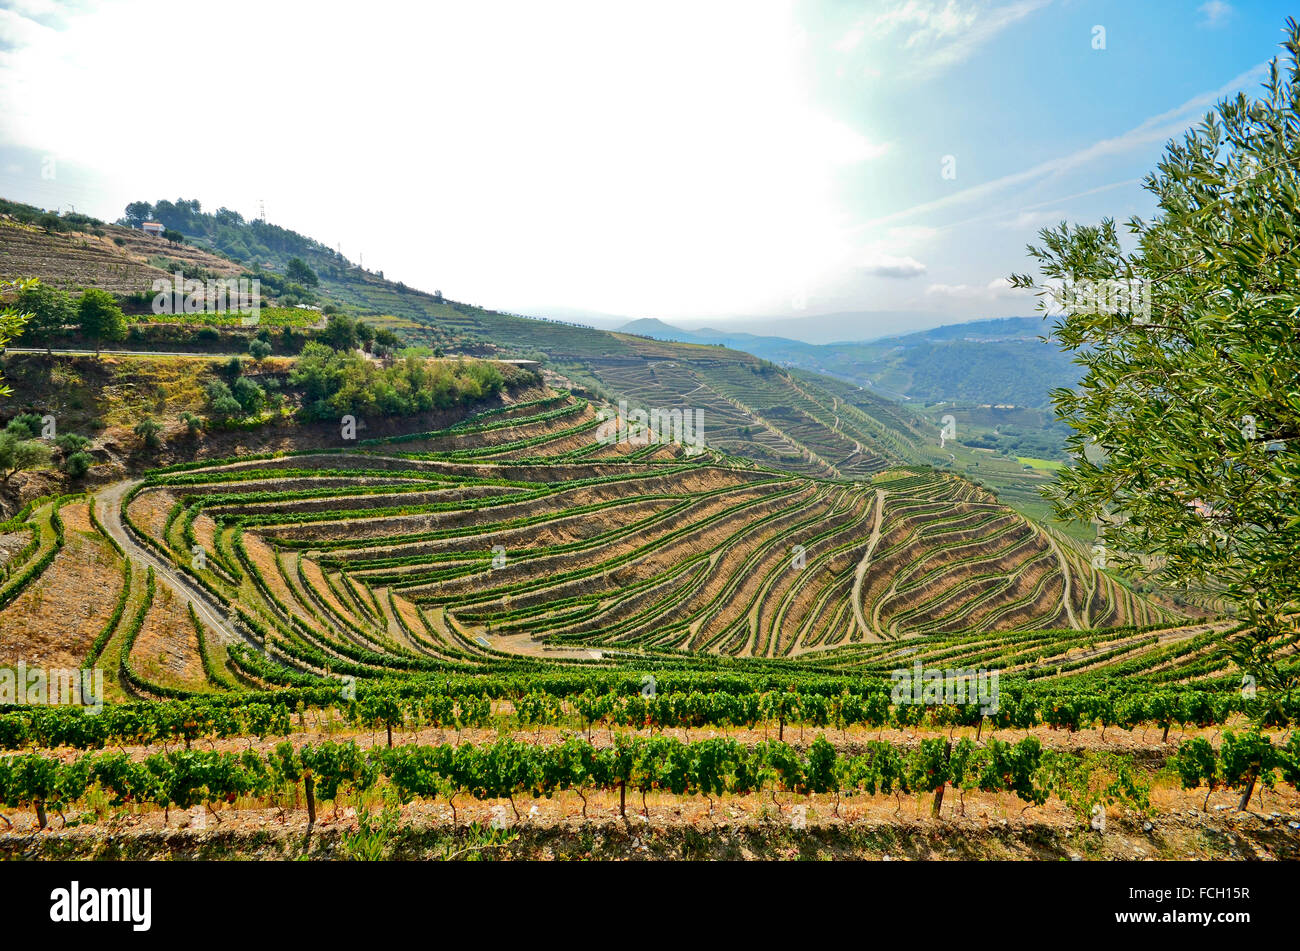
[297,270]
[78,464]
[12,320]
[341,332]
[249,395]
[18,454]
[100,318]
[336,383]
[51,311]
[221,402]
[1187,425]
[138,212]
[24,426]
[371,840]
[71,442]
[148,430]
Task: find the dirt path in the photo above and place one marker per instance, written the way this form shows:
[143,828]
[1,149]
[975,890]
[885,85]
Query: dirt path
[861,571]
[210,612]
[1066,592]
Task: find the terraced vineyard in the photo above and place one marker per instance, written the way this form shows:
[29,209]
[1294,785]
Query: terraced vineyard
[80,259]
[587,617]
[519,533]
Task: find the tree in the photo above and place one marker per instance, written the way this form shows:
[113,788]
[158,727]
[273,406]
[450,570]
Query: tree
[50,310]
[298,271]
[259,350]
[101,318]
[18,454]
[138,212]
[172,236]
[24,426]
[340,332]
[78,464]
[12,321]
[221,402]
[249,395]
[1187,420]
[71,442]
[148,429]
[365,335]
[226,407]
[76,461]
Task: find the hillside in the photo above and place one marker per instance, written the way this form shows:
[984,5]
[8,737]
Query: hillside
[798,533]
[120,260]
[516,533]
[812,424]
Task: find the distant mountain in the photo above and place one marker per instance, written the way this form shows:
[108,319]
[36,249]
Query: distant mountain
[1002,360]
[815,329]
[823,328]
[656,329]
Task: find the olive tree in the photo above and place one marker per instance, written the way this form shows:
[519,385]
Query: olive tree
[12,320]
[1187,419]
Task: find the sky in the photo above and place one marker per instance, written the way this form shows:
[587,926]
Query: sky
[704,162]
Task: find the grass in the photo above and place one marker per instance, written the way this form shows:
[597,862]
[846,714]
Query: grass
[266,317]
[1044,464]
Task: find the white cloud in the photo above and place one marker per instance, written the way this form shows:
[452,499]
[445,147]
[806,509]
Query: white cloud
[892,253]
[886,265]
[1214,13]
[850,40]
[997,289]
[931,35]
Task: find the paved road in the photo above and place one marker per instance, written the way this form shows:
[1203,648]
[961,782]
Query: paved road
[217,356]
[122,353]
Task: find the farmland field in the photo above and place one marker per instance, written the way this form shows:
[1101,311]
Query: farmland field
[685,444]
[462,620]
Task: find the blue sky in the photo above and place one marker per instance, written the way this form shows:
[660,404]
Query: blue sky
[699,162]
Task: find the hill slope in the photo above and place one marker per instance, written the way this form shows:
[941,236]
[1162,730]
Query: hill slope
[813,425]
[517,532]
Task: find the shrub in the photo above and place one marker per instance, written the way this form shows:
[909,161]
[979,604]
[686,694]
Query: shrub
[78,464]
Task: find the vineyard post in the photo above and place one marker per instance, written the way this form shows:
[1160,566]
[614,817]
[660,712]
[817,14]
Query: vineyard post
[309,791]
[938,795]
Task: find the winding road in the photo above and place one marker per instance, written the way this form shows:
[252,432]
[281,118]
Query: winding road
[210,612]
[861,571]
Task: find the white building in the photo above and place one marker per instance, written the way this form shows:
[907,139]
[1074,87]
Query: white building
[153,227]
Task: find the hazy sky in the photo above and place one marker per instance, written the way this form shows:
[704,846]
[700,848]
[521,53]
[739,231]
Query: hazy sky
[658,159]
